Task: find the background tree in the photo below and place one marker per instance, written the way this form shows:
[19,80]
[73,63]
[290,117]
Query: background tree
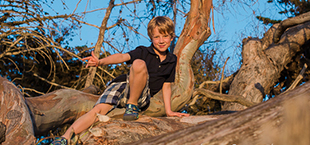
[292,70]
[31,52]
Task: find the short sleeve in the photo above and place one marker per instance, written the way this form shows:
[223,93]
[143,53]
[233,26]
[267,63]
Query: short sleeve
[135,54]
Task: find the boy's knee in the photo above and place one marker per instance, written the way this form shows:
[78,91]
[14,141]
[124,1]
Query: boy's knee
[101,108]
[139,65]
[97,108]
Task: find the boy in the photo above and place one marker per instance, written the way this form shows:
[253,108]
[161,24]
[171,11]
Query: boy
[152,69]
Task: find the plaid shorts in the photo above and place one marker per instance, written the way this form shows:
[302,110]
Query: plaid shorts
[117,94]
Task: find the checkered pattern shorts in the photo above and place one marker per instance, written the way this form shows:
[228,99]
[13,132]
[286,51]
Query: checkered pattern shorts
[117,94]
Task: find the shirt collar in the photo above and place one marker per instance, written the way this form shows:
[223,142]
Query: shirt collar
[169,58]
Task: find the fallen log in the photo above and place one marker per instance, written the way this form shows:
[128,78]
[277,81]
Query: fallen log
[284,119]
[266,123]
[16,124]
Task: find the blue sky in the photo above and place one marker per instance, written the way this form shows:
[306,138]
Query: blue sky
[232,22]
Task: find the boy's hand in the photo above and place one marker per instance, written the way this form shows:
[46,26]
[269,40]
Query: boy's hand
[92,60]
[177,114]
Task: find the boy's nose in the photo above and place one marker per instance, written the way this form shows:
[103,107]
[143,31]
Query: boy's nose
[161,39]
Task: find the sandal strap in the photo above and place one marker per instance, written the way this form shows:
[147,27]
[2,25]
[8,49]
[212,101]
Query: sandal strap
[130,109]
[59,141]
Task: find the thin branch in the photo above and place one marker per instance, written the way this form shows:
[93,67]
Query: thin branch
[223,75]
[77,5]
[14,64]
[116,24]
[112,46]
[121,4]
[33,90]
[224,97]
[193,101]
[132,29]
[54,84]
[299,77]
[94,10]
[106,72]
[35,20]
[215,82]
[86,23]
[125,3]
[101,79]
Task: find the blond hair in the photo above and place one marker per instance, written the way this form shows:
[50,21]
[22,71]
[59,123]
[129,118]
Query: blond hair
[164,24]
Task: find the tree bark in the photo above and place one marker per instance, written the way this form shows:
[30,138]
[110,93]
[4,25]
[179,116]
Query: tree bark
[266,123]
[102,29]
[117,131]
[263,62]
[15,120]
[19,123]
[59,108]
[283,120]
[289,23]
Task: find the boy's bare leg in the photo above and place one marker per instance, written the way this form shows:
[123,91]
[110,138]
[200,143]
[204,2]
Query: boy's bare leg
[87,119]
[137,80]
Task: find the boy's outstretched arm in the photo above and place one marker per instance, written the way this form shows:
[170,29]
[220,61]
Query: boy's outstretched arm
[112,59]
[167,101]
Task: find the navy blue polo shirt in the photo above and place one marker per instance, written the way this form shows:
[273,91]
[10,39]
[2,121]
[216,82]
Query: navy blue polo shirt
[159,72]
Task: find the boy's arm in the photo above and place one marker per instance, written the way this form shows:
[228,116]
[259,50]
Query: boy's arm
[167,101]
[112,59]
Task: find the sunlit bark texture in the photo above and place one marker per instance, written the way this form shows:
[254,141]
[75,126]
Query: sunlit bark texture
[263,60]
[277,121]
[283,120]
[16,124]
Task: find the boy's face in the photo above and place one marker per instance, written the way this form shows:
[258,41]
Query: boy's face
[160,41]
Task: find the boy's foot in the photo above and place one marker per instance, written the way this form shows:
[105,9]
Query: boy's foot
[59,141]
[132,112]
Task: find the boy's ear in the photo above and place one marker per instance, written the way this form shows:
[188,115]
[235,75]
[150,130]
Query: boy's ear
[172,37]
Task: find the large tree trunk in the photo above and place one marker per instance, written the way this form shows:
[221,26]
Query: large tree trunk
[281,117]
[283,120]
[19,123]
[58,108]
[16,124]
[263,60]
[26,117]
